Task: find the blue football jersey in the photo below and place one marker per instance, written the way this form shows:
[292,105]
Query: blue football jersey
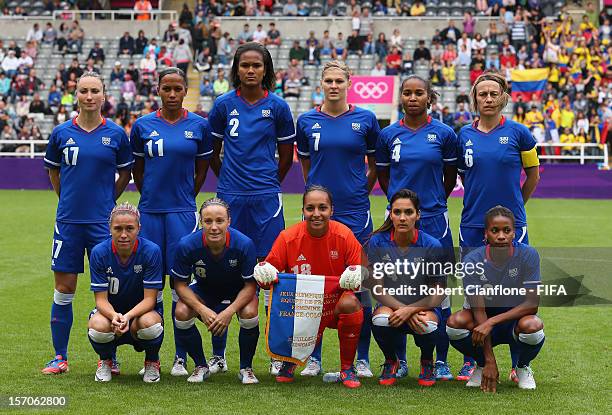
[125,283]
[424,250]
[169,152]
[491,164]
[337,147]
[224,275]
[416,160]
[521,270]
[250,133]
[87,162]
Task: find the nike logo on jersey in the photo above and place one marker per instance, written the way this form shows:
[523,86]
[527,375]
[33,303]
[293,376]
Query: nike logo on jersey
[396,142]
[234,113]
[70,141]
[301,258]
[154,134]
[316,126]
[469,143]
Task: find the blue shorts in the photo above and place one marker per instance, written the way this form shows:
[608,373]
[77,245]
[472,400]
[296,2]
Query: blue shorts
[214,302]
[127,337]
[470,238]
[439,227]
[166,230]
[360,223]
[260,217]
[503,333]
[70,243]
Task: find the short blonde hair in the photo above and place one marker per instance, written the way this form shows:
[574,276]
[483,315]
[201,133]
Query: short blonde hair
[125,208]
[503,86]
[336,64]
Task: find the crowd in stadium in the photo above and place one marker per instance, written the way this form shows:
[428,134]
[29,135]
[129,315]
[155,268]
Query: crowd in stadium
[575,106]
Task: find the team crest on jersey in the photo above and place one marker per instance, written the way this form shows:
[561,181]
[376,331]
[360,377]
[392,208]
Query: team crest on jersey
[333,254]
[316,126]
[188,134]
[431,137]
[109,271]
[356,126]
[513,272]
[234,113]
[200,271]
[503,140]
[469,143]
[301,258]
[137,269]
[154,133]
[233,262]
[70,141]
[265,113]
[106,140]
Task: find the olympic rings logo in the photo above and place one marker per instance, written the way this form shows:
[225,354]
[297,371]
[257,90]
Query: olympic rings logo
[370,89]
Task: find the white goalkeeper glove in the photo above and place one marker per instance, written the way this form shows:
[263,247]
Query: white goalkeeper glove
[265,274]
[352,276]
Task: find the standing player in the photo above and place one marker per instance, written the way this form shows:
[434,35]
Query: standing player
[321,246]
[126,275]
[420,153]
[493,153]
[82,157]
[499,319]
[333,141]
[399,240]
[251,124]
[222,261]
[172,148]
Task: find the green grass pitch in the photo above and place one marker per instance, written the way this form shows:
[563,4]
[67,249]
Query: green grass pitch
[572,372]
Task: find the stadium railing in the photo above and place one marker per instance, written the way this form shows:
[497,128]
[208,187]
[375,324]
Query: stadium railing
[582,157]
[121,14]
[581,147]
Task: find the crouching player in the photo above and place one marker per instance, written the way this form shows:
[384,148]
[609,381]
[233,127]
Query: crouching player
[126,275]
[404,308]
[321,246]
[222,260]
[495,319]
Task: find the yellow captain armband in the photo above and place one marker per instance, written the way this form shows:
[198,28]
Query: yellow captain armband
[530,158]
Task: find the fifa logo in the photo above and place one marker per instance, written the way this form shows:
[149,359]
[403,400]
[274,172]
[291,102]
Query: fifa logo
[106,140]
[265,113]
[503,140]
[356,126]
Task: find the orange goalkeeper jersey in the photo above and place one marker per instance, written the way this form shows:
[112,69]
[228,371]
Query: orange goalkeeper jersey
[296,251]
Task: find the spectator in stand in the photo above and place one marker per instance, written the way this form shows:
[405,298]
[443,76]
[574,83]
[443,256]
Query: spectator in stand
[519,33]
[204,60]
[469,23]
[327,44]
[339,51]
[435,75]
[37,106]
[464,58]
[33,83]
[148,64]
[437,50]
[421,53]
[295,69]
[186,16]
[378,70]
[246,35]
[476,71]
[479,44]
[117,74]
[354,43]
[126,45]
[393,61]
[5,86]
[274,36]
[206,88]
[260,35]
[144,7]
[182,56]
[462,117]
[262,11]
[396,39]
[297,52]
[450,34]
[75,37]
[407,64]
[381,46]
[224,49]
[220,86]
[128,88]
[61,116]
[140,43]
[145,88]
[62,37]
[10,64]
[313,52]
[568,137]
[34,34]
[449,73]
[292,86]
[317,96]
[303,10]
[97,54]
[417,9]
[290,9]
[464,40]
[50,34]
[450,54]
[54,98]
[369,47]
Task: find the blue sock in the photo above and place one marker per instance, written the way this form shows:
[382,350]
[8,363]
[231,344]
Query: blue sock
[515,352]
[467,359]
[180,350]
[247,340]
[427,343]
[528,352]
[104,350]
[400,347]
[191,341]
[61,323]
[387,339]
[466,347]
[363,348]
[442,338]
[218,344]
[317,352]
[152,347]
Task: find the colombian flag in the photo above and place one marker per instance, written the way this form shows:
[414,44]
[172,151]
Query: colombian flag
[527,82]
[300,308]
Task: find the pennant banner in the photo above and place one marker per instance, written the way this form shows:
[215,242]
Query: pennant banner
[300,307]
